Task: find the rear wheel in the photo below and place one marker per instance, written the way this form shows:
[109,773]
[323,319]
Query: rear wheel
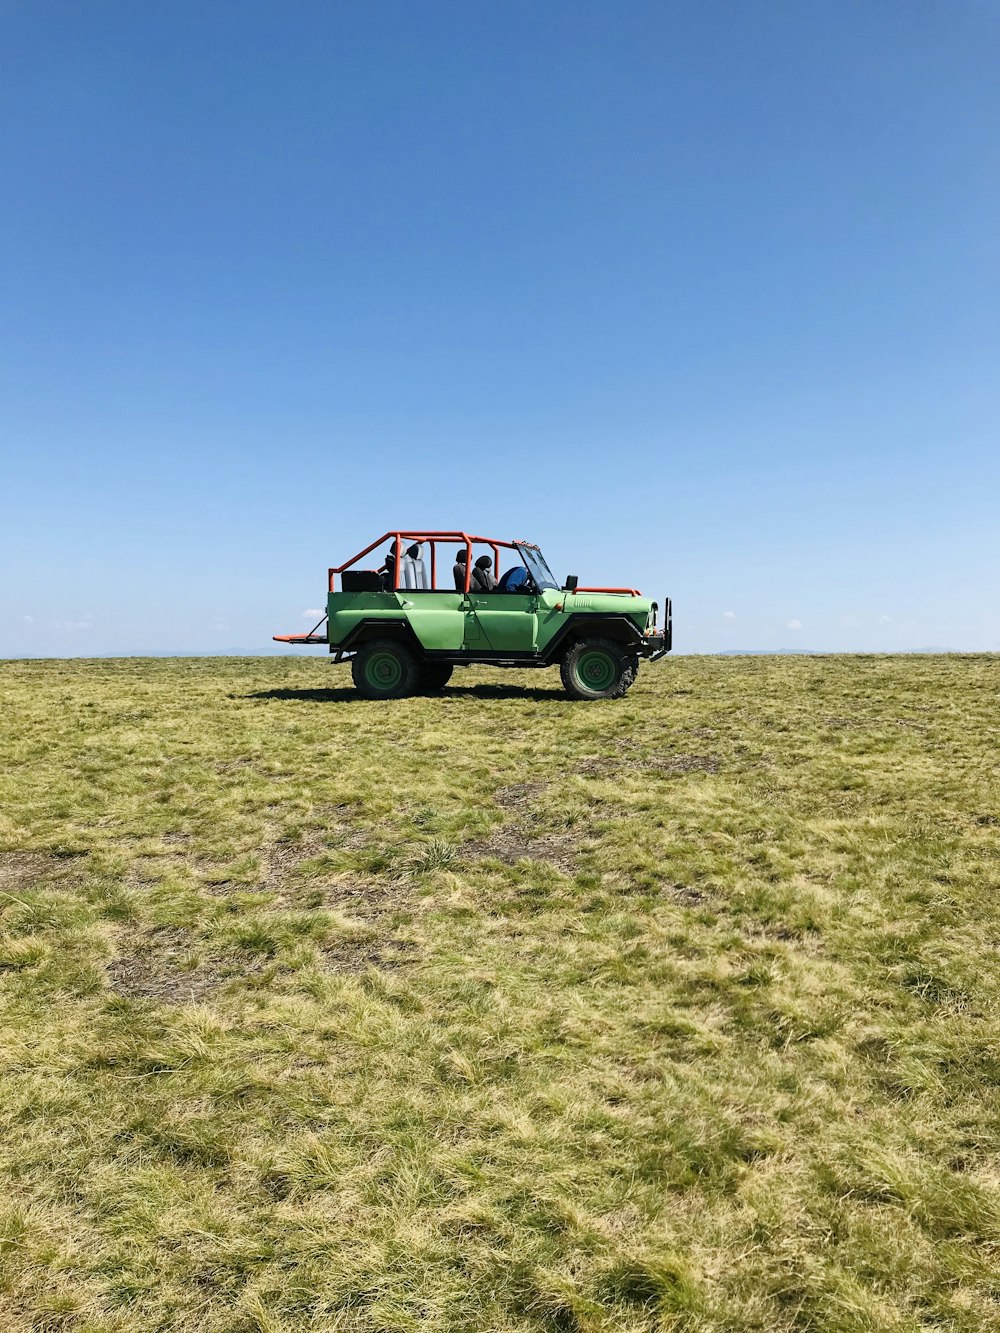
[596,669]
[385,669]
[434,676]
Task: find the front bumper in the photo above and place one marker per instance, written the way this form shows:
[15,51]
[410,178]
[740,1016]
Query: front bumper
[656,643]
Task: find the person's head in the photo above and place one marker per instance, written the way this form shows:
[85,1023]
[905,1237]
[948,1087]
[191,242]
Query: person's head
[484,562]
[463,557]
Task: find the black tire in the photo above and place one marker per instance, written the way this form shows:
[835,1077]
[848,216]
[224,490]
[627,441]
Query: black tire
[434,676]
[385,669]
[596,669]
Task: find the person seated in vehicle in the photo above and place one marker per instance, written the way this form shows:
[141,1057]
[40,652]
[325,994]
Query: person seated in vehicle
[388,571]
[482,575]
[458,569]
[516,579]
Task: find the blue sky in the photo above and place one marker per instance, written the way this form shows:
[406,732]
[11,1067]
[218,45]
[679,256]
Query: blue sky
[699,296]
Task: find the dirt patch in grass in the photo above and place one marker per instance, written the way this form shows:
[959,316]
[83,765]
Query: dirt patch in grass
[164,964]
[155,968]
[518,795]
[686,763]
[514,843]
[22,870]
[235,765]
[358,955]
[374,903]
[280,860]
[675,765]
[685,894]
[367,900]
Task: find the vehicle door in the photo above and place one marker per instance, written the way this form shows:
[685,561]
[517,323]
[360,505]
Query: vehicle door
[436,614]
[504,622]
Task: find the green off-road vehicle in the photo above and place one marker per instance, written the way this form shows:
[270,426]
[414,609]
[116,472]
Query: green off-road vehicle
[405,632]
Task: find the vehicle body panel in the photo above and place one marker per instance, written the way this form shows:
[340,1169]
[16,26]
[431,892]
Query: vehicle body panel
[450,622]
[436,618]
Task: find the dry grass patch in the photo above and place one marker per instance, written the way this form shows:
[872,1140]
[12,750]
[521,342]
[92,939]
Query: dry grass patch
[363,951]
[520,795]
[702,1038]
[25,870]
[513,843]
[162,965]
[671,765]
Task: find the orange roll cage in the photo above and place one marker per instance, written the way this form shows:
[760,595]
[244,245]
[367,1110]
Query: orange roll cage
[432,538]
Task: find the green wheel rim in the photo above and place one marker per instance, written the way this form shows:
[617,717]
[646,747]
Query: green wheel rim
[596,670]
[383,671]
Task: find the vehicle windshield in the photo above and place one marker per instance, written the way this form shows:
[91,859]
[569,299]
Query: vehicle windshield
[537,567]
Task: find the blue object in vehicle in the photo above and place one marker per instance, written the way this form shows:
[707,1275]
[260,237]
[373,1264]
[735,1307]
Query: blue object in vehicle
[515,580]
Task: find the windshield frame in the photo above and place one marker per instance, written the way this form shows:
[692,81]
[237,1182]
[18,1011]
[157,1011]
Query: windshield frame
[537,567]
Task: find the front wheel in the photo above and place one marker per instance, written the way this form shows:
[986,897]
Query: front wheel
[385,669]
[596,669]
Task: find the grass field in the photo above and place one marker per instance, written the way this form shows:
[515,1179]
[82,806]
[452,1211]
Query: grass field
[496,1011]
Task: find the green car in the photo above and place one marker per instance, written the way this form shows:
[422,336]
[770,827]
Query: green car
[407,624]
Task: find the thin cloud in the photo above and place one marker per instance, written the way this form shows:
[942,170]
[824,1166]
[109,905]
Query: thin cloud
[885,620]
[313,614]
[729,615]
[793,624]
[850,622]
[70,626]
[29,620]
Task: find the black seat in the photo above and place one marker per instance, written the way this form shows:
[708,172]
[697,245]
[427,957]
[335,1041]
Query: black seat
[482,575]
[361,580]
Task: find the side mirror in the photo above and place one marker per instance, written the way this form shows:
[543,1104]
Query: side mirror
[571,582]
